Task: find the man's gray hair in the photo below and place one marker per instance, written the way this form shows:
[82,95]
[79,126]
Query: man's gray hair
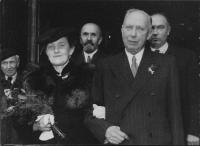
[149,20]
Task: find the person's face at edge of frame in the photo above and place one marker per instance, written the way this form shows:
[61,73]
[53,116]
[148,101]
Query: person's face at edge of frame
[90,37]
[9,66]
[160,31]
[59,51]
[135,31]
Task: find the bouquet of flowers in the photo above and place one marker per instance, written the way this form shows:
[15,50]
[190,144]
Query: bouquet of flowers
[29,107]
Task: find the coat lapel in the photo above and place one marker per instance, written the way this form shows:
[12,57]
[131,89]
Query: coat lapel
[170,50]
[95,57]
[121,69]
[79,58]
[143,75]
[82,57]
[133,85]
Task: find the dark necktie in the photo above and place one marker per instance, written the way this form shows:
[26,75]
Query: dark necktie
[9,79]
[134,66]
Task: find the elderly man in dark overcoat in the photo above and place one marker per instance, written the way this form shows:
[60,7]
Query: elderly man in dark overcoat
[139,91]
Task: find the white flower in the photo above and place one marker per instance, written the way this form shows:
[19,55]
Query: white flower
[7,92]
[99,111]
[10,108]
[152,69]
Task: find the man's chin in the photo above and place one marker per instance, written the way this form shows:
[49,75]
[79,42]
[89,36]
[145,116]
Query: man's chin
[10,74]
[155,44]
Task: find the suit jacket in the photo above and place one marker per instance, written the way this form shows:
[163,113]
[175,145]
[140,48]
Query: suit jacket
[13,131]
[7,85]
[146,107]
[189,87]
[79,58]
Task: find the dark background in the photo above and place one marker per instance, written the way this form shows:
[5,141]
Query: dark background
[184,17]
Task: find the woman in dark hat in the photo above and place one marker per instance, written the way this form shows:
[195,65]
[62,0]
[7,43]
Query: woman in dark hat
[59,78]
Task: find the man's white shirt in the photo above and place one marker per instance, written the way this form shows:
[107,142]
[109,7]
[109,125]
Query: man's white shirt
[87,54]
[14,77]
[138,57]
[162,49]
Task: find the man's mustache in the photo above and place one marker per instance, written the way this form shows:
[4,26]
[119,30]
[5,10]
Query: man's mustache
[89,42]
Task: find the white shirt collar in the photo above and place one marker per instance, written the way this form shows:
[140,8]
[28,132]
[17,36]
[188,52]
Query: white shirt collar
[91,54]
[13,78]
[162,49]
[138,56]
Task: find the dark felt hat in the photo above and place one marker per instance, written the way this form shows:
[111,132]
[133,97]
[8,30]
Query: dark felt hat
[8,52]
[55,34]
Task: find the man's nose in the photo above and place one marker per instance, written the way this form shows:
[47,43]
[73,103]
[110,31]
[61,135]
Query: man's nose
[89,37]
[9,65]
[154,31]
[133,32]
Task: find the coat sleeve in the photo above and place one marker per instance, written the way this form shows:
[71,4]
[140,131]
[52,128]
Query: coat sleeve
[193,95]
[97,126]
[174,107]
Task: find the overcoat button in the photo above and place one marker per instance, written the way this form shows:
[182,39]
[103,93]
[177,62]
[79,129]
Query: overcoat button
[117,95]
[149,114]
[150,135]
[152,94]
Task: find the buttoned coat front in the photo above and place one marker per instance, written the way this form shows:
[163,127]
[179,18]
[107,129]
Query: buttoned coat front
[147,107]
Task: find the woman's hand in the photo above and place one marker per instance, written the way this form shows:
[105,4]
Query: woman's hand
[99,111]
[192,140]
[43,123]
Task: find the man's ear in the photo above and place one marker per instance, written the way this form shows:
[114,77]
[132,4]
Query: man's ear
[71,51]
[122,31]
[17,59]
[149,34]
[80,40]
[100,40]
[169,30]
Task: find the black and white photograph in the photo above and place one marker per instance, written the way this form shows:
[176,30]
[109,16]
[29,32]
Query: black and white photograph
[99,72]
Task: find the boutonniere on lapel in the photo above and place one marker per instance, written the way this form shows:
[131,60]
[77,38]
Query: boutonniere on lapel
[65,75]
[152,69]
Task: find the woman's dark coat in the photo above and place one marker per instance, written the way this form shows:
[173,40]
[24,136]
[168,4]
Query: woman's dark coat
[70,95]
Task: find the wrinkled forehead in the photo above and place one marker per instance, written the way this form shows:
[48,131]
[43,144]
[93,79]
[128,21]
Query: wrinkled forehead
[90,28]
[138,18]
